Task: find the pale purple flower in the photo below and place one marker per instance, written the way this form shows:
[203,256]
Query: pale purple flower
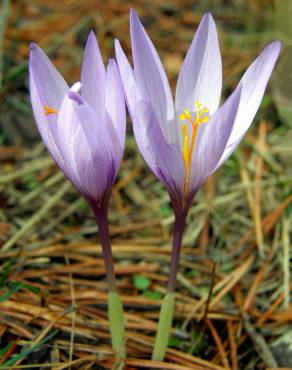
[185,142]
[83,127]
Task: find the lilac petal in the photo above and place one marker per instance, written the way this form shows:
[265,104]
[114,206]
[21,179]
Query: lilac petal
[212,140]
[93,76]
[128,79]
[50,84]
[85,149]
[151,78]
[74,93]
[164,159]
[47,87]
[200,77]
[115,106]
[254,83]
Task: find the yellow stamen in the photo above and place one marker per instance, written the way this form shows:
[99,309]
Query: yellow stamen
[201,117]
[49,110]
[185,152]
[204,119]
[204,110]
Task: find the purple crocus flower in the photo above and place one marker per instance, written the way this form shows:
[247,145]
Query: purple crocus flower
[83,127]
[185,142]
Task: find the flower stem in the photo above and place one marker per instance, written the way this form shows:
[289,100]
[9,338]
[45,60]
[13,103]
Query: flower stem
[102,223]
[167,307]
[164,327]
[117,327]
[115,308]
[178,230]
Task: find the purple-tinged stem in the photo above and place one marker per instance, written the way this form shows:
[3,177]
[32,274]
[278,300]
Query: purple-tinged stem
[103,227]
[167,307]
[178,230]
[115,307]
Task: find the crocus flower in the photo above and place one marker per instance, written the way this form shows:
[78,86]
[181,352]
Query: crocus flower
[83,127]
[185,141]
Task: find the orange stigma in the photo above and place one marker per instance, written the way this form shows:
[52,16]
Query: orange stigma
[202,116]
[49,110]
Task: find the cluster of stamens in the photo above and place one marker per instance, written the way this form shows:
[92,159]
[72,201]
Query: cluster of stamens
[201,116]
[49,110]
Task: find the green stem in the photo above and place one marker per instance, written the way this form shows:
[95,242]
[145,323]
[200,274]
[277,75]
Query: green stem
[164,327]
[167,307]
[116,321]
[115,308]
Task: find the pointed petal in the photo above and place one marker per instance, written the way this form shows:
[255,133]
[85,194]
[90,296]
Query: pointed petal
[85,149]
[212,140]
[128,79]
[47,87]
[200,77]
[93,76]
[50,84]
[164,159]
[151,78]
[254,83]
[115,105]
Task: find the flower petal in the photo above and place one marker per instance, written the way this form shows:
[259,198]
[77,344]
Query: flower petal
[127,77]
[151,78]
[164,159]
[115,105]
[254,82]
[47,87]
[200,77]
[212,139]
[85,148]
[93,76]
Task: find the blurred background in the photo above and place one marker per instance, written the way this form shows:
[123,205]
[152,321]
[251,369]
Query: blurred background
[242,216]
